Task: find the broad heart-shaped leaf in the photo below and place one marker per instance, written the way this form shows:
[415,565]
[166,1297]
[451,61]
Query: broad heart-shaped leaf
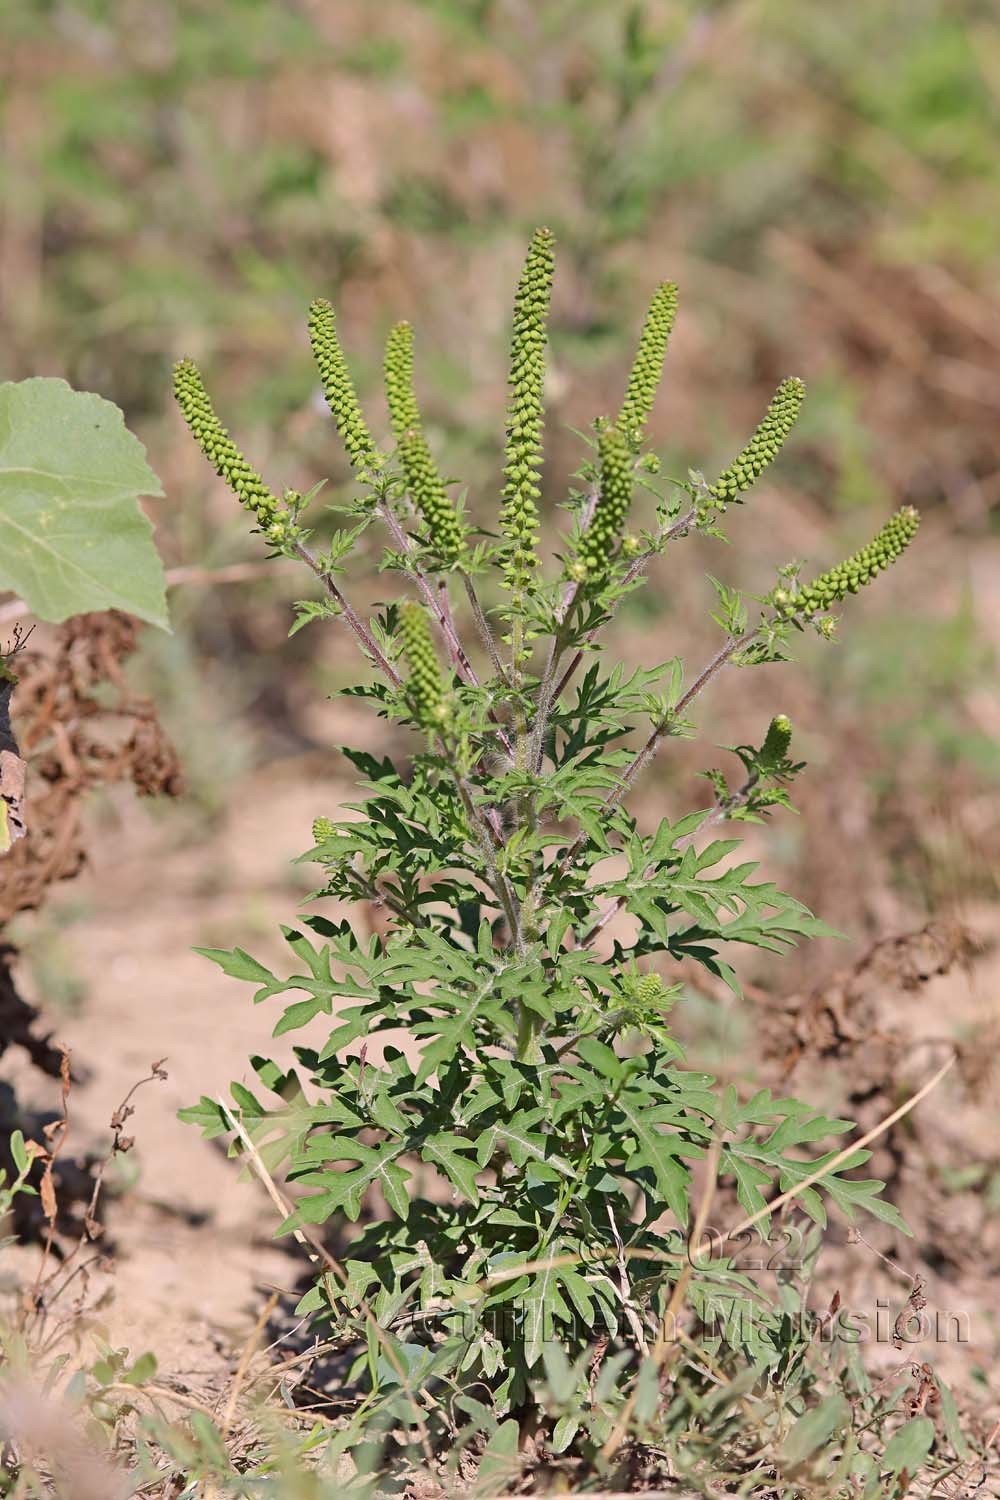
[72,535]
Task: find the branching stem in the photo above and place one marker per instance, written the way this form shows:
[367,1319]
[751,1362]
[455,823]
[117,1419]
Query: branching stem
[380,895]
[439,604]
[485,633]
[435,599]
[657,734]
[487,842]
[635,569]
[364,635]
[547,693]
[490,826]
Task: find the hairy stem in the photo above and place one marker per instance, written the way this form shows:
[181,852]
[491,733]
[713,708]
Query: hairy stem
[544,701]
[499,883]
[547,692]
[364,635]
[636,568]
[439,604]
[482,625]
[659,731]
[492,825]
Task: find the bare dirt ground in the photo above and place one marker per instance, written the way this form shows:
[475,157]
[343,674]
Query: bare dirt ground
[194,1254]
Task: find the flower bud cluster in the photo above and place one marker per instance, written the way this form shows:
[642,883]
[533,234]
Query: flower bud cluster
[519,517]
[229,463]
[650,989]
[600,541]
[648,366]
[850,576]
[430,496]
[424,688]
[765,445]
[404,414]
[777,740]
[422,478]
[338,387]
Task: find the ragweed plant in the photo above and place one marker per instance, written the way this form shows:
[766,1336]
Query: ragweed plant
[500,1100]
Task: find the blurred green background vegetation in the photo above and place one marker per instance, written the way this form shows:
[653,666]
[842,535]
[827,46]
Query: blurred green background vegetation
[824,184]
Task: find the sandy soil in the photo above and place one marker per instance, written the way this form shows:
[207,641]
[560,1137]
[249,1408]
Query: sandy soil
[194,1247]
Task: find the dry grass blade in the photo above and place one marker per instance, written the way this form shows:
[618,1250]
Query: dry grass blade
[661,1347]
[530,1267]
[831,1166]
[251,1346]
[249,1350]
[317,1253]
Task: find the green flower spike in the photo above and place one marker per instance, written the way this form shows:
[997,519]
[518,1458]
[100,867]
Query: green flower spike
[765,445]
[323,829]
[218,447]
[600,541]
[430,496]
[404,413]
[422,478]
[848,577]
[425,692]
[648,366]
[525,413]
[338,386]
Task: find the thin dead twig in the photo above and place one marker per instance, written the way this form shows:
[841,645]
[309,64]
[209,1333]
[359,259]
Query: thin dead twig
[120,1144]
